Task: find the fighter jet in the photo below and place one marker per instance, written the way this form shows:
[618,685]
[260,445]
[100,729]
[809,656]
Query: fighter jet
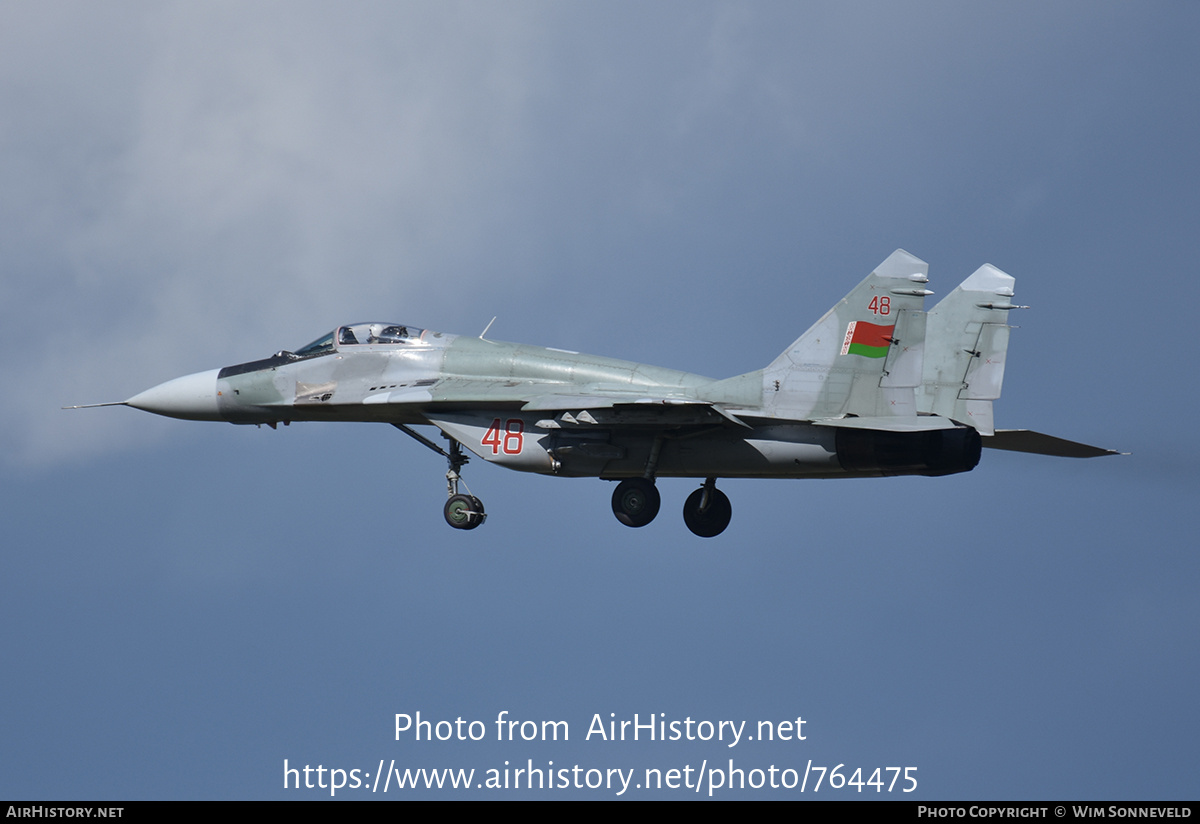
[878,386]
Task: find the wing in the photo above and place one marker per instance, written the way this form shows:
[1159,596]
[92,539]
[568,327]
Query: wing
[629,409]
[578,430]
[562,408]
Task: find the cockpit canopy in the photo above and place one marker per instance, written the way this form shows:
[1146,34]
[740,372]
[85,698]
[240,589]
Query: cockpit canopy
[363,334]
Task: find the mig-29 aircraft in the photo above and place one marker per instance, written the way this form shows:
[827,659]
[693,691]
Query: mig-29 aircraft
[876,387]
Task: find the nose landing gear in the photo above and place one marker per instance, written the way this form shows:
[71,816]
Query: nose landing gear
[461,511]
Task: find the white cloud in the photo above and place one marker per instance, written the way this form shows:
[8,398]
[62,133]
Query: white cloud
[208,181]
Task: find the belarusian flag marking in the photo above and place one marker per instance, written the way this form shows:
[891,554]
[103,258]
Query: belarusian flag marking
[867,339]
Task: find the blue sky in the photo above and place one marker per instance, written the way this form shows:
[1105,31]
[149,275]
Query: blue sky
[186,605]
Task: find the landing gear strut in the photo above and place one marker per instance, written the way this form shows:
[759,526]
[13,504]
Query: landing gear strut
[635,501]
[461,511]
[707,510]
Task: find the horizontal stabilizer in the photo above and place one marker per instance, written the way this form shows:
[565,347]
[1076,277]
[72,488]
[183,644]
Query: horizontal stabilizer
[1023,440]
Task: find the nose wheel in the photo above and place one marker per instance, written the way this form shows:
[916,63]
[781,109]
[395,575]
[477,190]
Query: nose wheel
[464,511]
[461,511]
[707,511]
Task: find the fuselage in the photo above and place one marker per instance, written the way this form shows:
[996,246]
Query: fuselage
[548,411]
[403,381]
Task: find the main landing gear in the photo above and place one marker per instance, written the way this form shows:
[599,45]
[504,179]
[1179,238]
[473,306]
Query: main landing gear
[461,511]
[706,512]
[635,501]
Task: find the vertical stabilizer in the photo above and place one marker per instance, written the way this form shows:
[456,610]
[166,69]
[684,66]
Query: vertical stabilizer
[966,342]
[864,357]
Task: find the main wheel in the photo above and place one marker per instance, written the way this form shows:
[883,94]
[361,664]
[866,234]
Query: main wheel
[712,521]
[464,511]
[635,501]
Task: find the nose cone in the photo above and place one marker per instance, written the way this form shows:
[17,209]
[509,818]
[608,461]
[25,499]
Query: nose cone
[192,397]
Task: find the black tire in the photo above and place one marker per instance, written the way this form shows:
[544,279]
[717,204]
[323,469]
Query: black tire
[712,522]
[463,511]
[635,501]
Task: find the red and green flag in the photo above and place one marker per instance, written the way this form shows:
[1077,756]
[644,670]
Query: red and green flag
[867,339]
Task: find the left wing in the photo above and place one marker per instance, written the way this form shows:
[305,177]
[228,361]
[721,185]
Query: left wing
[629,410]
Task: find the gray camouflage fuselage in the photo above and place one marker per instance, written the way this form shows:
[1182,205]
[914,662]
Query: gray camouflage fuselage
[614,413]
[877,386]
[464,384]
